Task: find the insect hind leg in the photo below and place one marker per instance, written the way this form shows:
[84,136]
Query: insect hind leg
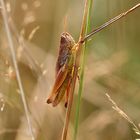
[67,93]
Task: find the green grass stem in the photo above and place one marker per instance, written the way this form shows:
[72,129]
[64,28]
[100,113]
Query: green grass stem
[82,68]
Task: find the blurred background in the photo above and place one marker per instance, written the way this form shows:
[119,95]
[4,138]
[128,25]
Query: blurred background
[112,66]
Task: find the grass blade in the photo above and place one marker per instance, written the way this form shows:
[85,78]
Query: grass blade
[82,72]
[113,20]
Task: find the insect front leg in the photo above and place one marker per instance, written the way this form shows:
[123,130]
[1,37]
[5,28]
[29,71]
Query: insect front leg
[78,75]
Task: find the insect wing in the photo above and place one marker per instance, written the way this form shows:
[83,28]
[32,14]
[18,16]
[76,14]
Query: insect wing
[61,76]
[61,92]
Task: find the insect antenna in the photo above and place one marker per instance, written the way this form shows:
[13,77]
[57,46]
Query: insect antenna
[65,23]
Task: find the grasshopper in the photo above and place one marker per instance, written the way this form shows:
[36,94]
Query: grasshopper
[64,70]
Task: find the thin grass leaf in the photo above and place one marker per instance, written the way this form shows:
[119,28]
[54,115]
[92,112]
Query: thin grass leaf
[106,24]
[82,72]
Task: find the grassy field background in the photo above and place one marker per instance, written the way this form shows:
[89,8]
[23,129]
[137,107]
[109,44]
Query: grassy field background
[112,66]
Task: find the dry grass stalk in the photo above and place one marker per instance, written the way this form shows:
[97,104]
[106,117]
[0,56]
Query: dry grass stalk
[77,63]
[11,46]
[123,114]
